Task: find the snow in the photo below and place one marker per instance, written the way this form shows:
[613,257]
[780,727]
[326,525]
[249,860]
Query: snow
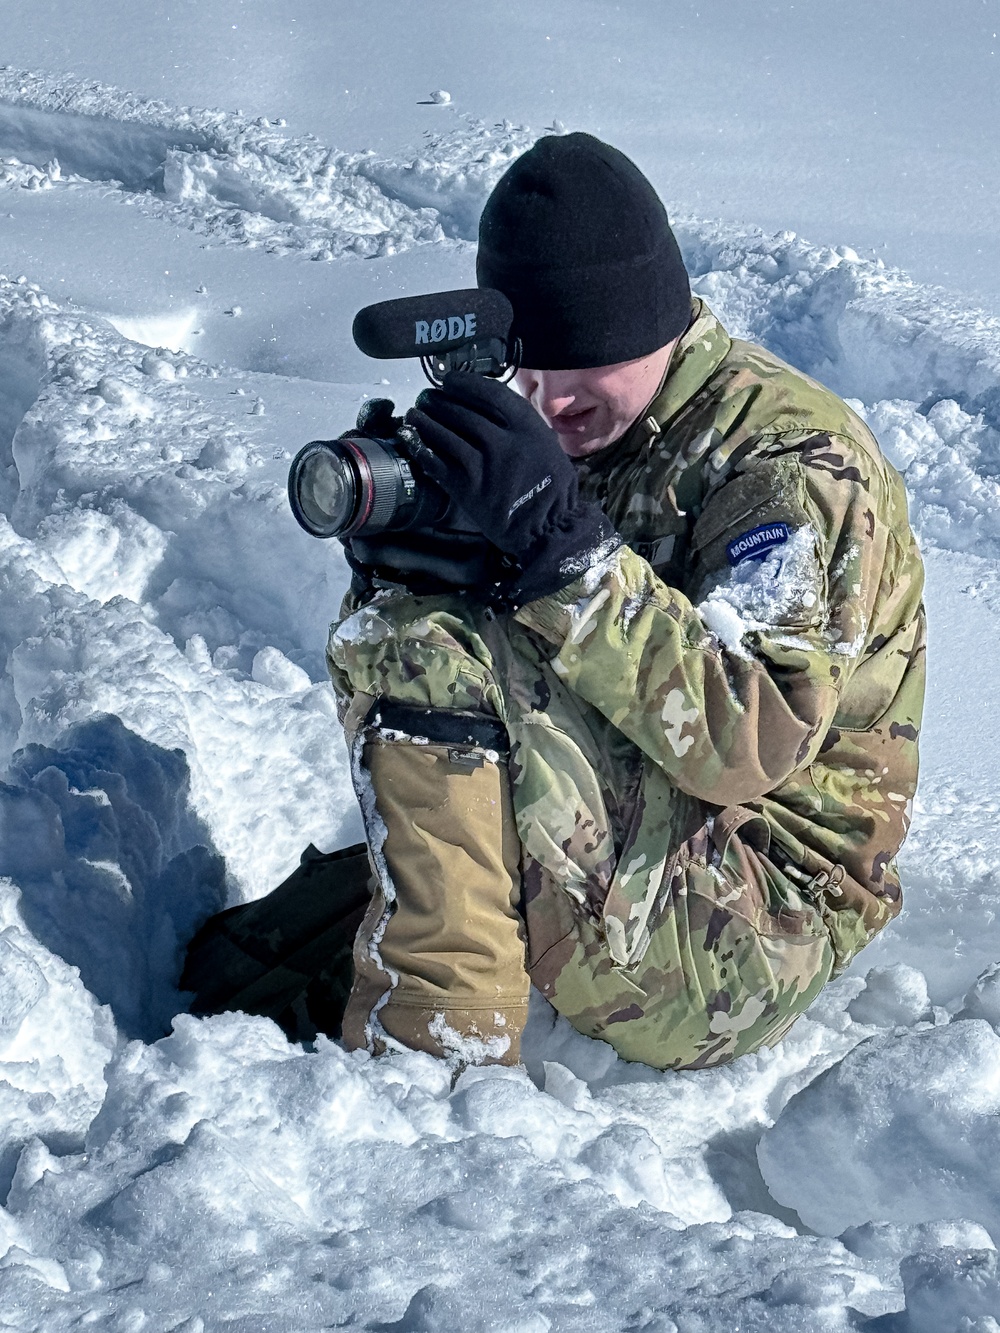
[779,588]
[174,324]
[889,1134]
[870,125]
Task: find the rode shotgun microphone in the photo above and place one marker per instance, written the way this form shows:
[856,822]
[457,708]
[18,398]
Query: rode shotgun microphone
[462,330]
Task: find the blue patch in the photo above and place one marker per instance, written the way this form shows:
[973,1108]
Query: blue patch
[756,543]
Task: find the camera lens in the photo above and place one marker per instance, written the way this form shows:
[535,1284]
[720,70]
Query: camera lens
[325,488]
[355,484]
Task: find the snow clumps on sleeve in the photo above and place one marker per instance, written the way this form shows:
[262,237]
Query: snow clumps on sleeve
[781,591]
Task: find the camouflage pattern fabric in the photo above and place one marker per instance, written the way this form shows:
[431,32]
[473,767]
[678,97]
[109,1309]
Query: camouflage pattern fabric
[713,731]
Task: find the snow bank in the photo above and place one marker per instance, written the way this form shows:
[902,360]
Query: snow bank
[869,332]
[232,1177]
[145,568]
[904,1129]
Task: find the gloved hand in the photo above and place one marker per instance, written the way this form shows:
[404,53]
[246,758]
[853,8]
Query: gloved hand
[494,455]
[424,560]
[376,420]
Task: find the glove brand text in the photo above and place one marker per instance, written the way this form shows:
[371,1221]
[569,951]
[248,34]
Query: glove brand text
[540,486]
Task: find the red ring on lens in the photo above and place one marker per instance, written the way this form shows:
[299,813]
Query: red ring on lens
[367,488]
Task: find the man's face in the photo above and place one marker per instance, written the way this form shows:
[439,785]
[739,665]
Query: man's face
[591,408]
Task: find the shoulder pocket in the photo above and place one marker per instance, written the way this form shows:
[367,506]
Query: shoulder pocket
[771,491]
[757,551]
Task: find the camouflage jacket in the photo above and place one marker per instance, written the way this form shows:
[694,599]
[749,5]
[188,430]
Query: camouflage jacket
[753,653]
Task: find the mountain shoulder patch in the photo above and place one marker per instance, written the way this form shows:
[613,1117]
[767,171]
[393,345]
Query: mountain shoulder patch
[756,543]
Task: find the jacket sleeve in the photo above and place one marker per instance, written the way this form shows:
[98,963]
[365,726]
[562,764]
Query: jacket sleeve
[731,685]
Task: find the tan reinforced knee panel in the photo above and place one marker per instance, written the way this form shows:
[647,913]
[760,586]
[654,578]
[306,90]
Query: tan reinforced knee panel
[440,957]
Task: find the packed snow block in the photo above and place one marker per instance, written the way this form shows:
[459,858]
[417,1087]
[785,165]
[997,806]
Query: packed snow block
[905,1129]
[54,1044]
[982,1000]
[888,1241]
[894,996]
[114,869]
[951,1291]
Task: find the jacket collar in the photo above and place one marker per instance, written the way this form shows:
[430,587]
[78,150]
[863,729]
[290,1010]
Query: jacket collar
[700,351]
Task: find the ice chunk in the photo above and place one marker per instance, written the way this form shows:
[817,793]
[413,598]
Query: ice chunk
[879,1240]
[905,1129]
[983,999]
[893,995]
[22,984]
[117,393]
[158,367]
[273,669]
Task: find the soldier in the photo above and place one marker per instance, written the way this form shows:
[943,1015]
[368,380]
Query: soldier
[664,770]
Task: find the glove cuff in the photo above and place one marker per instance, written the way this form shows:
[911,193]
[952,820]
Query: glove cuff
[578,539]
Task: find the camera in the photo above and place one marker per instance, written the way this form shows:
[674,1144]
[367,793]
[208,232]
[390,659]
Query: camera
[363,485]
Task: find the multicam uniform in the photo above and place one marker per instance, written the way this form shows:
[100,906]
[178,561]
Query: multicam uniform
[707,743]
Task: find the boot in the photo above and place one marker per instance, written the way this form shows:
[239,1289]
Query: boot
[440,958]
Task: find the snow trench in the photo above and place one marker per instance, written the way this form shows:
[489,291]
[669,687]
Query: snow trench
[241,180]
[95,147]
[22,371]
[115,870]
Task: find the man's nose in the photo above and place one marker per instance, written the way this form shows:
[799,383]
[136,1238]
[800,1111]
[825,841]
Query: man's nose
[555,404]
[552,398]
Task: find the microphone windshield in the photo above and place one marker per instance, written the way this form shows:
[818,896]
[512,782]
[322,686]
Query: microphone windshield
[432,324]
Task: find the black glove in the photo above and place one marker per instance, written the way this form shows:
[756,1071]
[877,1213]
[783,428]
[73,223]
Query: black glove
[376,420]
[494,455]
[424,560]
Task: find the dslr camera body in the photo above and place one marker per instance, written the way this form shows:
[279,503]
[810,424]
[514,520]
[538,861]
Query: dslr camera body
[366,487]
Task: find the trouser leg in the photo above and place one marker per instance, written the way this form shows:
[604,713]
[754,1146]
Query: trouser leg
[439,959]
[735,955]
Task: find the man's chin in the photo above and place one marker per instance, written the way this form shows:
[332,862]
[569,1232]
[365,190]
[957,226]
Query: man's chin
[575,446]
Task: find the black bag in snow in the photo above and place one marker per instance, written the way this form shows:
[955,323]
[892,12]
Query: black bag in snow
[286,956]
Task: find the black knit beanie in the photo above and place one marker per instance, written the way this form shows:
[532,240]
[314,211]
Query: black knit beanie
[577,239]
